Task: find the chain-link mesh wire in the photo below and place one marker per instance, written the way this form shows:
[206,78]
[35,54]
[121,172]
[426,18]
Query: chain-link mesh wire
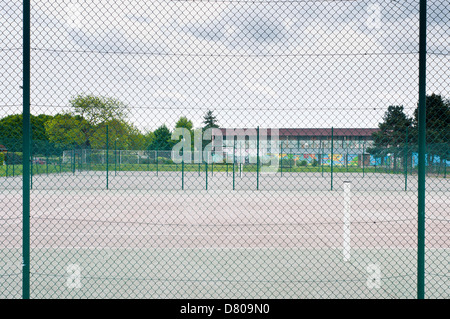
[224,149]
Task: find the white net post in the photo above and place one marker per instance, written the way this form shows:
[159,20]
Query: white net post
[346,221]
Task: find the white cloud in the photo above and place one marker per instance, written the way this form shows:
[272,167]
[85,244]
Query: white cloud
[208,54]
[261,89]
[171,95]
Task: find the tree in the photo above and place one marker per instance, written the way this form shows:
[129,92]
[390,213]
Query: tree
[183,122]
[118,134]
[91,114]
[98,109]
[162,139]
[437,127]
[391,137]
[67,130]
[11,132]
[149,137]
[209,120]
[136,140]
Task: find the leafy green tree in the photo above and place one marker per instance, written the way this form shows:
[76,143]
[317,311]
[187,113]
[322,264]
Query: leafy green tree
[183,122]
[437,126]
[136,140]
[11,132]
[391,137]
[118,134]
[85,126]
[149,137]
[66,130]
[162,139]
[98,109]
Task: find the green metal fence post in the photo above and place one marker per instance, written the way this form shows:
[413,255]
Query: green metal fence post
[234,160]
[6,163]
[31,170]
[206,173]
[445,169]
[107,157]
[406,160]
[321,159]
[240,159]
[363,158]
[257,158]
[182,170]
[115,157]
[281,157]
[290,160]
[346,161]
[26,181]
[422,150]
[72,162]
[318,164]
[80,160]
[332,159]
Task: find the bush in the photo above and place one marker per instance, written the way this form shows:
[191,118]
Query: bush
[13,158]
[287,162]
[315,163]
[2,158]
[164,160]
[144,160]
[302,163]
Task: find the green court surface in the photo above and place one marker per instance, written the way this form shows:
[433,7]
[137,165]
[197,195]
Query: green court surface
[146,238]
[223,273]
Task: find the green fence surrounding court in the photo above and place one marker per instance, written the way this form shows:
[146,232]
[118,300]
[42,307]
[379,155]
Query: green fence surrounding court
[224,149]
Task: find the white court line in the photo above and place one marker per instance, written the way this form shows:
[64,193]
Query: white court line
[346,221]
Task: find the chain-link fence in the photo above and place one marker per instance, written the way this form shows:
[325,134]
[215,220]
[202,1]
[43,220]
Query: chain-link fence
[224,149]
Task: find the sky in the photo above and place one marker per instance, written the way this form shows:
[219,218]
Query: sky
[254,63]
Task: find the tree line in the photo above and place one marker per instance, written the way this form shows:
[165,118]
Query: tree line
[399,133]
[84,127]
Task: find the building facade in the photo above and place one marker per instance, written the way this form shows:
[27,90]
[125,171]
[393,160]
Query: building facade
[343,146]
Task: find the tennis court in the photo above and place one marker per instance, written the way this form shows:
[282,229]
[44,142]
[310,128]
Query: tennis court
[159,242]
[224,149]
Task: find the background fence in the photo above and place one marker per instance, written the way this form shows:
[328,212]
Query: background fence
[333,184]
